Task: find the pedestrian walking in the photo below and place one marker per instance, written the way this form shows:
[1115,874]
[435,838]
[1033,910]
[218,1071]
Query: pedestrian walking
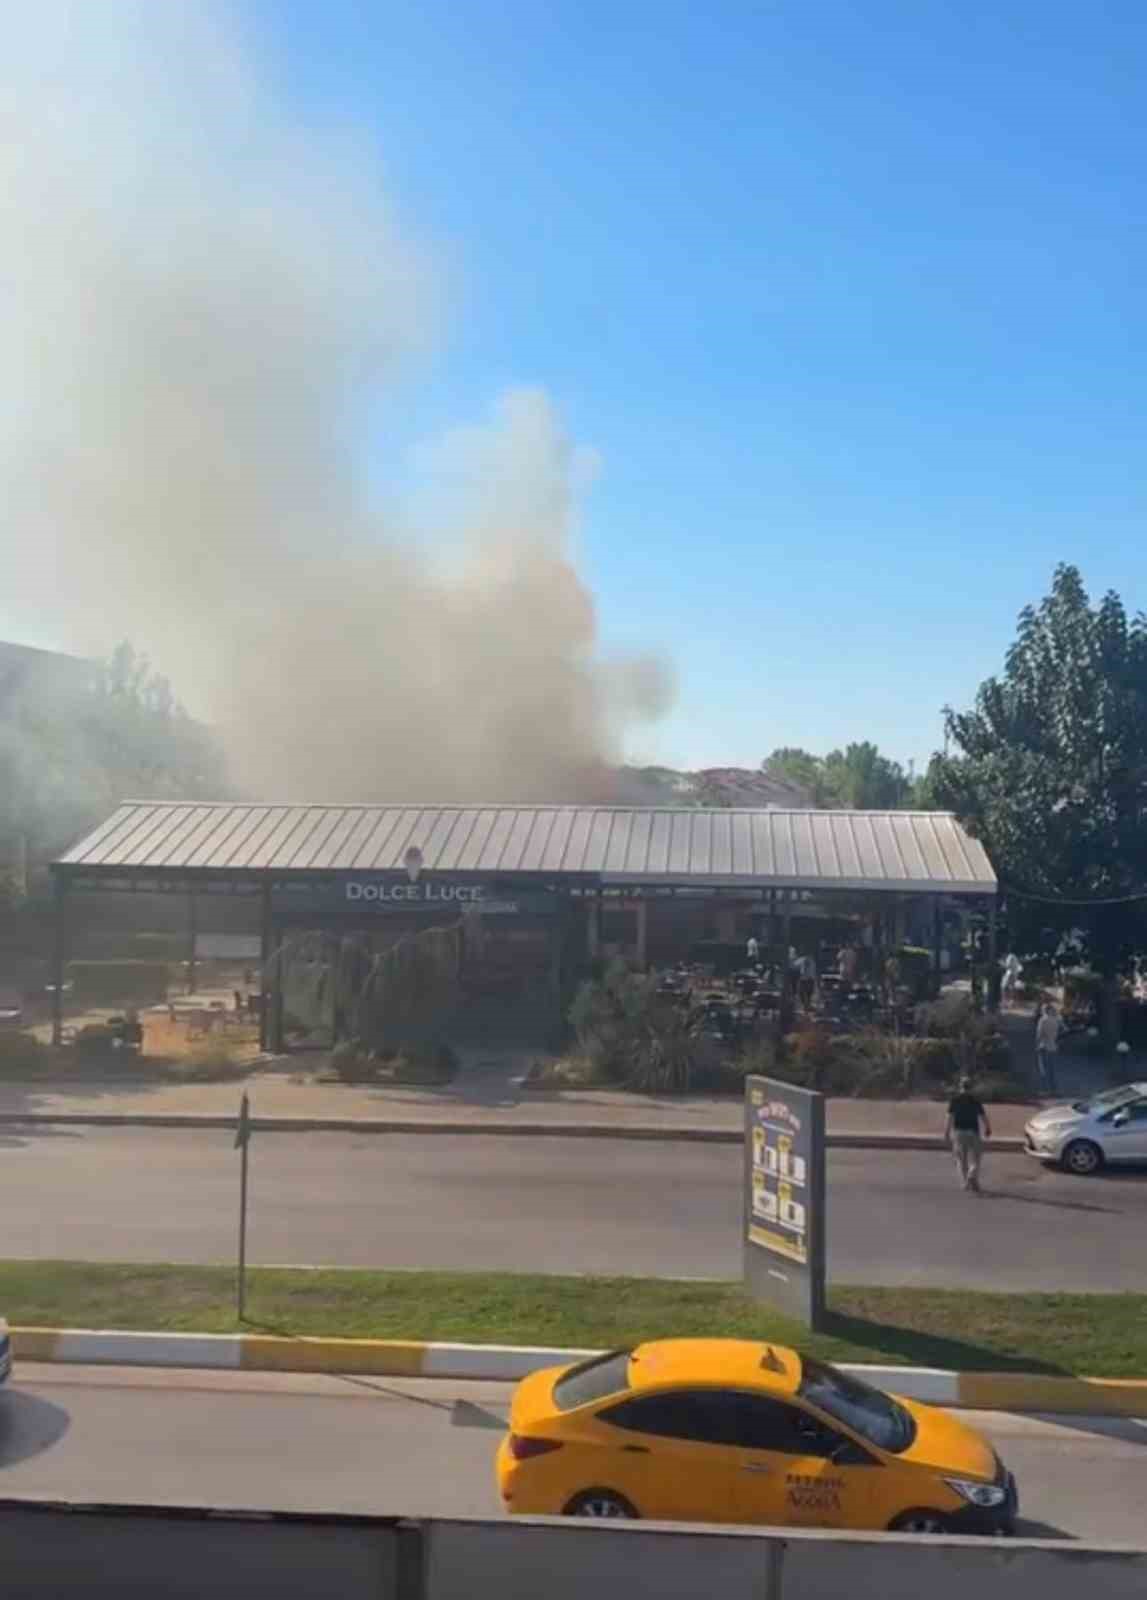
[753,950]
[966,1119]
[1047,1031]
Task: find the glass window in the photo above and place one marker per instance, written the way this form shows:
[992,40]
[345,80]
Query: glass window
[702,1416]
[726,1417]
[593,1380]
[871,1413]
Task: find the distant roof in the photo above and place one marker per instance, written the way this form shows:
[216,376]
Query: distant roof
[906,850]
[22,665]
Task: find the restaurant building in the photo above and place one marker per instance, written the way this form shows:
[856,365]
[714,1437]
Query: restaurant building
[539,892]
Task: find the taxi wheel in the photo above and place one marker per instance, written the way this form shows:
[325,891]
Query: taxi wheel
[1082,1157]
[919,1521]
[599,1503]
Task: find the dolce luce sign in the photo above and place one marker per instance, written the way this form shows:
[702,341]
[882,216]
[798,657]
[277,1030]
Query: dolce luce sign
[419,894]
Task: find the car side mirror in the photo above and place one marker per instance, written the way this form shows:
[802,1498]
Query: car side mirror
[1120,1119]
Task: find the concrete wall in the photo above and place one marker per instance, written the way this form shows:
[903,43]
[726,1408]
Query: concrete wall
[154,1553]
[138,1553]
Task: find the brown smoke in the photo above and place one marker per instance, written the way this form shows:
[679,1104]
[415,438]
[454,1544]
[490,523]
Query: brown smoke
[201,308]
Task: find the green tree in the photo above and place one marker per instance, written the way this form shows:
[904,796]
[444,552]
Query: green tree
[1050,772]
[857,778]
[794,765]
[72,751]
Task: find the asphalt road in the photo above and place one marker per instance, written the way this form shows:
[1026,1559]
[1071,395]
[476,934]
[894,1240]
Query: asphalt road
[550,1205]
[261,1441]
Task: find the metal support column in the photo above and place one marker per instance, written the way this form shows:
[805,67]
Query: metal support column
[192,937]
[992,986]
[59,953]
[937,944]
[642,926]
[266,934]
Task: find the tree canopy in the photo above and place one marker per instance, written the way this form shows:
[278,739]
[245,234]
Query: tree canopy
[857,778]
[1050,772]
[70,751]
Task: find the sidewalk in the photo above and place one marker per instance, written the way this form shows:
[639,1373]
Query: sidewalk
[488,1101]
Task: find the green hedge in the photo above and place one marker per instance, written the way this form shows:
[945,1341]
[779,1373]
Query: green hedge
[118,983]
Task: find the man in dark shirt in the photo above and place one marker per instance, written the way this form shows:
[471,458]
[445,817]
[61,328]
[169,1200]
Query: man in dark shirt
[966,1116]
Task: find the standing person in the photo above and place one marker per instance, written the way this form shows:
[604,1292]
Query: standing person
[966,1117]
[1012,967]
[806,980]
[753,950]
[1047,1030]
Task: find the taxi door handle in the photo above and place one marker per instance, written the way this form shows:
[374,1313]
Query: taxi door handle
[635,1449]
[752,1467]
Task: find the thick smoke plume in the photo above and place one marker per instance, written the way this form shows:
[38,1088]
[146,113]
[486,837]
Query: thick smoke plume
[202,308]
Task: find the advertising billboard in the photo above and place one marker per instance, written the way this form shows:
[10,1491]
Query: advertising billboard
[784,1197]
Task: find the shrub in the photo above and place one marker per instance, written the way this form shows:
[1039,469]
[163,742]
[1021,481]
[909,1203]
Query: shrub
[96,1039]
[22,1055]
[213,1061]
[425,1064]
[353,1062]
[915,970]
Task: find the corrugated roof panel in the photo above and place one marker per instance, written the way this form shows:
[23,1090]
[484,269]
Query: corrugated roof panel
[804,847]
[681,842]
[660,839]
[291,835]
[701,844]
[856,850]
[721,843]
[783,844]
[554,855]
[617,849]
[334,844]
[574,857]
[908,846]
[742,827]
[520,829]
[867,849]
[197,826]
[824,844]
[534,849]
[637,847]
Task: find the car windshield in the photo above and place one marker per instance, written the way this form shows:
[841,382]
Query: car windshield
[871,1413]
[593,1380]
[1108,1100]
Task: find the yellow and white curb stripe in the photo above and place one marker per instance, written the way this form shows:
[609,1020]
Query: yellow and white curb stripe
[409,1358]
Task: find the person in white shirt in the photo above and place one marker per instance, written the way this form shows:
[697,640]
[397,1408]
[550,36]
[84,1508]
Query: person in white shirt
[753,950]
[1013,967]
[1047,1030]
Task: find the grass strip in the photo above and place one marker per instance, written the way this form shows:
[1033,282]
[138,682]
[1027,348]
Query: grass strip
[1098,1335]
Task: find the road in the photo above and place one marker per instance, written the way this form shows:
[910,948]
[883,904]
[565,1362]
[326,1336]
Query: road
[315,1443]
[550,1205]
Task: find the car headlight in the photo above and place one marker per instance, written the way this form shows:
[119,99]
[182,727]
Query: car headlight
[983,1495]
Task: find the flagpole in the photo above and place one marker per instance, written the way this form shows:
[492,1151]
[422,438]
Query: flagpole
[242,1142]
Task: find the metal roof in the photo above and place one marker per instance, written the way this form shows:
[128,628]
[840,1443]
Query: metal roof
[905,850]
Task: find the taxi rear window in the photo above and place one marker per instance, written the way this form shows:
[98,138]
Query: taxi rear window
[593,1380]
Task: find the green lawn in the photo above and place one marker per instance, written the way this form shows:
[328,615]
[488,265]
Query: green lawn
[1096,1335]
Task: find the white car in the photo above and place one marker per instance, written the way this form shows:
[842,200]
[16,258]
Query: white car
[1084,1136]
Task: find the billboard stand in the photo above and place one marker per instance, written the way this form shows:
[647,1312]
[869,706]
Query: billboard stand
[784,1197]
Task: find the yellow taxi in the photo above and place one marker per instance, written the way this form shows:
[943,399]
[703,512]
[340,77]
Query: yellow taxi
[725,1430]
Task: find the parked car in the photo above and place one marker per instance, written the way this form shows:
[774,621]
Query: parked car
[11,1008]
[729,1430]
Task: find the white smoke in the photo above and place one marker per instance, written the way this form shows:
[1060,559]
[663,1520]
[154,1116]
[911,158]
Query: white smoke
[200,303]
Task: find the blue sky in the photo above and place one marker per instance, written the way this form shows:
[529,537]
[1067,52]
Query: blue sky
[847,297]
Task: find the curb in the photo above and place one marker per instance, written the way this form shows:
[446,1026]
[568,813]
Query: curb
[645,1131]
[398,1358]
